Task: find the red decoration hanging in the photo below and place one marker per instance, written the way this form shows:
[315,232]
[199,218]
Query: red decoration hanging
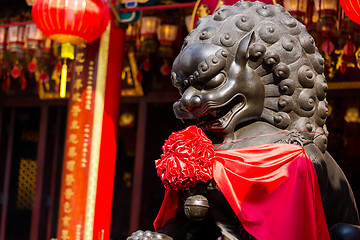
[22,81]
[140,77]
[349,48]
[351,9]
[15,72]
[75,22]
[5,85]
[32,65]
[147,65]
[44,77]
[327,47]
[165,68]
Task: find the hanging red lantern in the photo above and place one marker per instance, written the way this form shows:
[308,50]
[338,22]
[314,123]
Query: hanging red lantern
[148,26]
[16,36]
[167,34]
[76,22]
[352,9]
[349,48]
[296,8]
[165,69]
[33,37]
[327,47]
[15,72]
[2,41]
[71,22]
[5,85]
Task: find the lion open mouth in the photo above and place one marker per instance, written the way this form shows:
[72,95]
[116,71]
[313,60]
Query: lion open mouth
[220,116]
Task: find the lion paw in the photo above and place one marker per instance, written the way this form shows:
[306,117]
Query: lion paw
[148,235]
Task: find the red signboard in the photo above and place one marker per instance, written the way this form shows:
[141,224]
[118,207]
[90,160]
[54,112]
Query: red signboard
[78,143]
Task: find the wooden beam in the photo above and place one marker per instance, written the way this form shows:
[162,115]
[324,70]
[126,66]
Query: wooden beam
[17,101]
[7,173]
[54,176]
[40,158]
[158,7]
[138,168]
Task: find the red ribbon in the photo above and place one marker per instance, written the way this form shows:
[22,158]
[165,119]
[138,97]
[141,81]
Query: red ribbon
[272,188]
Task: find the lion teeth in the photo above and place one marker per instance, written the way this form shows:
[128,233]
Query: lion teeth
[214,113]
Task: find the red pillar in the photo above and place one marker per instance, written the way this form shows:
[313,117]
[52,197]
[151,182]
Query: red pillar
[104,196]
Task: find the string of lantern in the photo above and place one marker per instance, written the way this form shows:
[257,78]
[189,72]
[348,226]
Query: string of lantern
[336,35]
[27,54]
[150,35]
[158,7]
[38,51]
[25,51]
[156,33]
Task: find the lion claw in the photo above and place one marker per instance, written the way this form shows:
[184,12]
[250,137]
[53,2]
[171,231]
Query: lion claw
[148,235]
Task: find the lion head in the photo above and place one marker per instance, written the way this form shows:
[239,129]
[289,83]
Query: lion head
[252,62]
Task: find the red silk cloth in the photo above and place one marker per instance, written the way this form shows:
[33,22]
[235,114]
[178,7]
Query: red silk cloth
[272,189]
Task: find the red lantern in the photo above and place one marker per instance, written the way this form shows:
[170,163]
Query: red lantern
[16,40]
[352,9]
[33,36]
[70,22]
[76,21]
[2,41]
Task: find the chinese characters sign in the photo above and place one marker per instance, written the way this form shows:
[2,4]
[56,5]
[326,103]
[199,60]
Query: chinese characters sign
[78,143]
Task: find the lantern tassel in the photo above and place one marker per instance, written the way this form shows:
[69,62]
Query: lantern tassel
[67,52]
[63,80]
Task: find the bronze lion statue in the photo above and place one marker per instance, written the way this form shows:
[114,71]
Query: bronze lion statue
[251,74]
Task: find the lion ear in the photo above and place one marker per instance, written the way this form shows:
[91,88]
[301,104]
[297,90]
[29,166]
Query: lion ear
[242,53]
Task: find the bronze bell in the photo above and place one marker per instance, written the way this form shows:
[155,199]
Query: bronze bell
[196,207]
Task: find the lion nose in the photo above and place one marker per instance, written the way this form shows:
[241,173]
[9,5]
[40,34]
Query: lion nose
[190,99]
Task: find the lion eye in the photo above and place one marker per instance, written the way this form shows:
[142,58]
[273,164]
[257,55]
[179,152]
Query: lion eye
[174,80]
[215,81]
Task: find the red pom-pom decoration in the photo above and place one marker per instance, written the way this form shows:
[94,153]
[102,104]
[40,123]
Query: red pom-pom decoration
[186,160]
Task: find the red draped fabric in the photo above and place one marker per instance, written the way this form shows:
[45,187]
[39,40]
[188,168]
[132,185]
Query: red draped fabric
[272,188]
[168,208]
